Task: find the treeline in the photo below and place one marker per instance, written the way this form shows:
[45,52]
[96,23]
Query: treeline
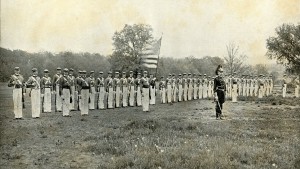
[97,62]
[46,60]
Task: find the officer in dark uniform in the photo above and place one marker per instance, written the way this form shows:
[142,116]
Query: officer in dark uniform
[219,91]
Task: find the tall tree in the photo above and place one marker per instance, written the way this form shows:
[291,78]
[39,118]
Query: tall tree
[128,44]
[285,47]
[234,62]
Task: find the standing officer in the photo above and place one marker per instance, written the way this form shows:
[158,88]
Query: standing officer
[109,87]
[84,93]
[271,84]
[152,89]
[180,88]
[209,87]
[234,88]
[131,84]
[185,87]
[100,82]
[92,95]
[138,90]
[56,77]
[16,81]
[145,92]
[117,89]
[34,82]
[124,90]
[65,92]
[255,81]
[169,88]
[162,89]
[219,91]
[46,87]
[72,88]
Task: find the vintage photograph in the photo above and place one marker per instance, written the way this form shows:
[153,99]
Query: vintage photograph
[149,84]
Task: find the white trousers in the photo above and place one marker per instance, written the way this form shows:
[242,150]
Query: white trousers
[72,105]
[169,93]
[58,102]
[163,95]
[47,100]
[36,102]
[118,94]
[131,96]
[125,96]
[204,91]
[200,93]
[195,92]
[284,91]
[84,101]
[145,99]
[101,98]
[190,92]
[185,91]
[17,99]
[260,92]
[152,94]
[234,93]
[66,102]
[92,98]
[110,99]
[180,93]
[138,96]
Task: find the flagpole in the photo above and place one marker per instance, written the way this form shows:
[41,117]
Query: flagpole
[158,54]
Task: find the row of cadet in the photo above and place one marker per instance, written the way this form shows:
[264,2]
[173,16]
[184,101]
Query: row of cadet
[86,93]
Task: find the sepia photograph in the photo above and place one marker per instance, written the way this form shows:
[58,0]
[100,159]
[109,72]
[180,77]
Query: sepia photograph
[149,84]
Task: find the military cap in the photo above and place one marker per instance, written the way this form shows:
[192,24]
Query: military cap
[284,74]
[173,75]
[109,72]
[101,72]
[124,73]
[92,71]
[46,71]
[162,77]
[170,74]
[34,69]
[179,74]
[234,73]
[139,73]
[116,72]
[66,70]
[17,68]
[194,74]
[208,76]
[184,73]
[145,71]
[271,75]
[131,71]
[204,74]
[71,69]
[84,71]
[200,74]
[189,74]
[58,68]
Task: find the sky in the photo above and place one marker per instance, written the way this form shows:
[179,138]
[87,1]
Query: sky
[188,27]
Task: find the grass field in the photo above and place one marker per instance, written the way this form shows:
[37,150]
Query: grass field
[181,135]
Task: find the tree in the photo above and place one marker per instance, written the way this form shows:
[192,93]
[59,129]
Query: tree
[285,47]
[234,62]
[128,44]
[261,69]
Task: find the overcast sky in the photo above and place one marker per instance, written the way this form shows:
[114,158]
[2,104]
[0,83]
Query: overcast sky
[190,27]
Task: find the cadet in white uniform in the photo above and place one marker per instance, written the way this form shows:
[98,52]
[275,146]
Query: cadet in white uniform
[205,86]
[72,89]
[16,81]
[284,86]
[34,82]
[152,81]
[138,90]
[110,91]
[100,86]
[169,88]
[55,87]
[124,90]
[117,89]
[91,80]
[145,92]
[131,85]
[84,93]
[65,92]
[180,87]
[46,86]
[162,89]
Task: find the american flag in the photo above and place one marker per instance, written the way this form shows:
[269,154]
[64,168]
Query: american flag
[149,56]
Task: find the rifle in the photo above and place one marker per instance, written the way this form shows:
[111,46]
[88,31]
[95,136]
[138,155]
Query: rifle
[23,101]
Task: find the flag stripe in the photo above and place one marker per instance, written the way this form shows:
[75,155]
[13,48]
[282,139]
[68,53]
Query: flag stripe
[150,61]
[149,57]
[153,66]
